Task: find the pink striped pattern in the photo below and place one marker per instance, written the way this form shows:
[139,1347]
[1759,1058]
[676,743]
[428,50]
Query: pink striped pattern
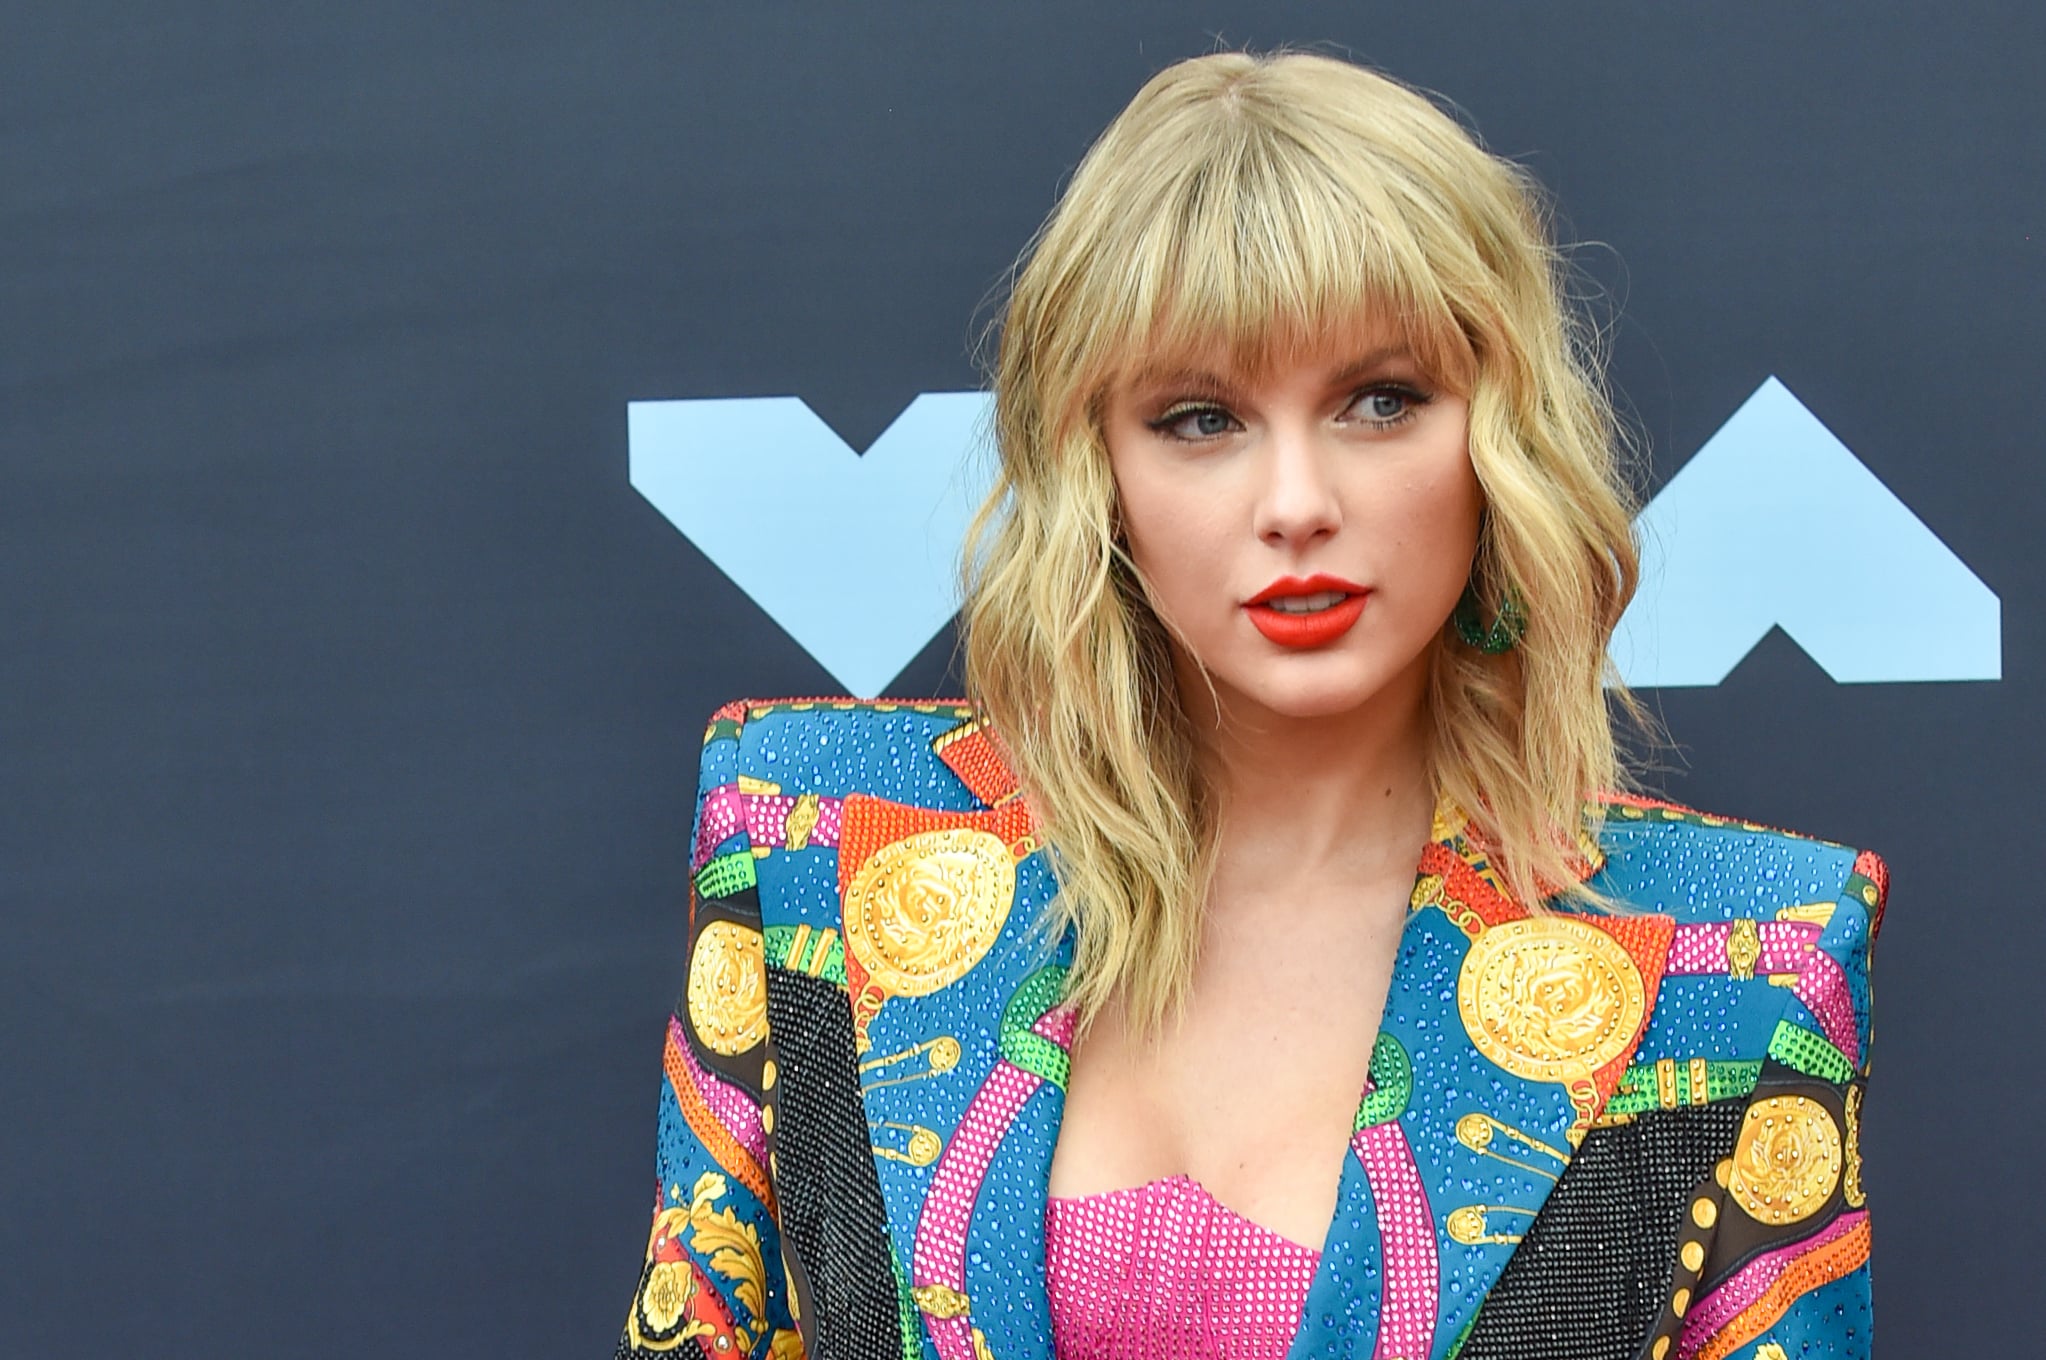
[1711,1314]
[728,1104]
[1787,947]
[939,1256]
[1411,1291]
[765,817]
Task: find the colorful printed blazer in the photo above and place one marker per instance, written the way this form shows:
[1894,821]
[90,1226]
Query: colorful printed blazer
[1583,1135]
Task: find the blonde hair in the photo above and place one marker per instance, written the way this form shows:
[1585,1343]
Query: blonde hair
[1248,201]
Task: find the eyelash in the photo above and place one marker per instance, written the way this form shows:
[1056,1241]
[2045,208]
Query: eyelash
[1413,396]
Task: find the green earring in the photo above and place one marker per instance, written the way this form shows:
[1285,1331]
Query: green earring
[1504,630]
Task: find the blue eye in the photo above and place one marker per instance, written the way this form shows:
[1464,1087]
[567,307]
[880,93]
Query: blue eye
[1389,405]
[1194,422]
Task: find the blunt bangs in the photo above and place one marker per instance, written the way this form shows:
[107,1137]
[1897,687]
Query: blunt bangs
[1239,240]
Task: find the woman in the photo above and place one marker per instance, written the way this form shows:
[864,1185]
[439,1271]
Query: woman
[1259,964]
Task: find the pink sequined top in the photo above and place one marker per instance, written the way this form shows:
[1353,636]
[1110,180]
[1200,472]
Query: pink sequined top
[1165,1270]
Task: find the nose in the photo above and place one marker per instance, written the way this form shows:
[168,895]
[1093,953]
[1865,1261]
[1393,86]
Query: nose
[1297,504]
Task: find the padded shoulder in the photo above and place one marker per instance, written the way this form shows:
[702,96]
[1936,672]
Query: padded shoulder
[924,753]
[1752,905]
[1700,866]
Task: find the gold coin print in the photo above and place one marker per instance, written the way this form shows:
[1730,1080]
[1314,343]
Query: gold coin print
[923,910]
[1550,998]
[1787,1161]
[728,987]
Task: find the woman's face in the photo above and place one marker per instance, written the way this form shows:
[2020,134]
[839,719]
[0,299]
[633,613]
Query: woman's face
[1307,531]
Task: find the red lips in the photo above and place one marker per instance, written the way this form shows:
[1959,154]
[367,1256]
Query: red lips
[1303,631]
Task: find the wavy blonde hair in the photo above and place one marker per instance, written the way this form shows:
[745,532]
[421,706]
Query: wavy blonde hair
[1244,202]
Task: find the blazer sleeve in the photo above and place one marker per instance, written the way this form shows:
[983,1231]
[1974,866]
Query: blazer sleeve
[1787,1269]
[712,1282]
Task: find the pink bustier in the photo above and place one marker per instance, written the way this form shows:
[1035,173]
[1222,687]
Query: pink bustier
[1164,1270]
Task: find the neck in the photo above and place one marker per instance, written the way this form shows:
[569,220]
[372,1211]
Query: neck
[1348,794]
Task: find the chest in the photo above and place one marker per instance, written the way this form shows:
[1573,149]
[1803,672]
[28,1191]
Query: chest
[1253,1093]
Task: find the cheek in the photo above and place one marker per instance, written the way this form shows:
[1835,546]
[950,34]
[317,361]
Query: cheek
[1174,539]
[1171,526]
[1432,511]
[1463,507]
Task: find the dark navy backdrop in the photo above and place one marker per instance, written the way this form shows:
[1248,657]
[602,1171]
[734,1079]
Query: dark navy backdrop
[351,694]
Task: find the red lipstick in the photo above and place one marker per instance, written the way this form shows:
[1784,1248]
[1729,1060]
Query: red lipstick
[1303,631]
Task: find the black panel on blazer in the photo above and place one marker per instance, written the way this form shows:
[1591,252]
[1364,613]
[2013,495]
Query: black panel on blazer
[832,1217]
[1594,1273]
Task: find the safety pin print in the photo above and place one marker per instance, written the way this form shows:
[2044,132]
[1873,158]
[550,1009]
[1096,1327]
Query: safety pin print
[920,1147]
[939,1055]
[1471,1225]
[1477,1131]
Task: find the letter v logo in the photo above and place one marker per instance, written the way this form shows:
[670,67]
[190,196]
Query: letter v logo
[1775,523]
[854,556]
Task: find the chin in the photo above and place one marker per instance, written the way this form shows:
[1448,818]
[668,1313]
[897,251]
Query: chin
[1326,686]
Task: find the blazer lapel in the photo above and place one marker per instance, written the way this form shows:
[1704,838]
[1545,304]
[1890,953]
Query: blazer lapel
[955,998]
[1503,1035]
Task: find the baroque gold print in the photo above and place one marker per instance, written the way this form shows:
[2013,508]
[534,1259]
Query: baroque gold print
[727,987]
[668,1300]
[1787,1161]
[1550,998]
[923,910]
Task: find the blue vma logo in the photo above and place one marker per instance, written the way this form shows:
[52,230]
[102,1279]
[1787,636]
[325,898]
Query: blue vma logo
[1774,523]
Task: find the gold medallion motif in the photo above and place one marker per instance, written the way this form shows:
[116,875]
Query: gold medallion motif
[1550,998]
[923,910]
[1787,1161]
[727,987]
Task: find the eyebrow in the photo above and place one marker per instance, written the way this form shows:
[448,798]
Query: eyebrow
[1202,379]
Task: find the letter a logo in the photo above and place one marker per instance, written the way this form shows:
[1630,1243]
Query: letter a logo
[1774,523]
